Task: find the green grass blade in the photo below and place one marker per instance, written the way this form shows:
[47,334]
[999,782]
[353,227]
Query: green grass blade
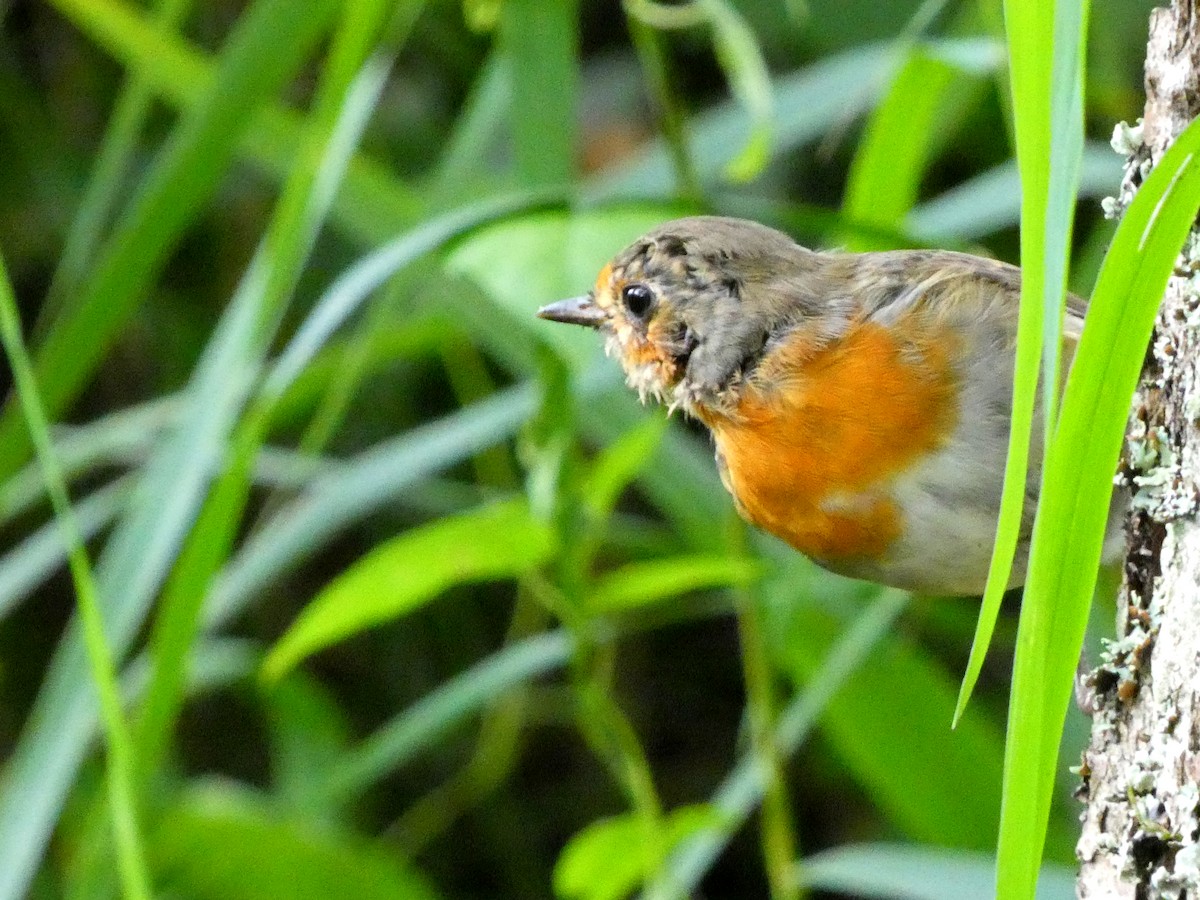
[83,449]
[39,556]
[266,48]
[807,104]
[1046,49]
[895,150]
[540,41]
[398,740]
[498,541]
[353,488]
[991,201]
[918,872]
[351,289]
[651,581]
[110,172]
[346,96]
[373,203]
[741,59]
[142,548]
[119,769]
[1069,531]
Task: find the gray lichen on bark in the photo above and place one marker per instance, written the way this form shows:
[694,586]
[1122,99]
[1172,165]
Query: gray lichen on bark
[1140,775]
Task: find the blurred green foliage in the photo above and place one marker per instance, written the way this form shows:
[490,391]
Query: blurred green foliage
[277,263]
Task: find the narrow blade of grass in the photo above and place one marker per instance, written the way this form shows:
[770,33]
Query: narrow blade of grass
[353,488]
[1069,531]
[1046,49]
[266,48]
[346,96]
[119,768]
[498,541]
[401,738]
[40,555]
[895,150]
[173,484]
[991,201]
[918,872]
[110,172]
[541,42]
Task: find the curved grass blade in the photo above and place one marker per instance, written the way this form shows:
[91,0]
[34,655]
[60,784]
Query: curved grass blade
[1069,530]
[498,541]
[352,489]
[119,765]
[417,727]
[265,49]
[347,93]
[900,137]
[1046,47]
[145,544]
[84,448]
[806,104]
[991,201]
[110,172]
[35,559]
[919,872]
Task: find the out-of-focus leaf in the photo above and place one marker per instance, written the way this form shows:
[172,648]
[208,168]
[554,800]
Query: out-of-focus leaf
[741,58]
[224,843]
[643,583]
[308,733]
[912,872]
[532,260]
[541,41]
[619,463]
[608,859]
[263,52]
[990,201]
[499,541]
[807,104]
[900,136]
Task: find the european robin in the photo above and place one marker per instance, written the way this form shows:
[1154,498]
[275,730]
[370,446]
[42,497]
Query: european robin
[859,402]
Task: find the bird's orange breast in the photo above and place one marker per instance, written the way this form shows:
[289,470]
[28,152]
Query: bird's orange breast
[819,435]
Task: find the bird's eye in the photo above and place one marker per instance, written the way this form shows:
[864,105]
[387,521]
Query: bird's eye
[637,299]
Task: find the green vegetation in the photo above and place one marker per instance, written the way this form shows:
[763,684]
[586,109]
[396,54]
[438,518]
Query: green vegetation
[338,573]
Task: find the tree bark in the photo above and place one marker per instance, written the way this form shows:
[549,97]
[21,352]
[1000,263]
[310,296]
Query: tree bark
[1141,826]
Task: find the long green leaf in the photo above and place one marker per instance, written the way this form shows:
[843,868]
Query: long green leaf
[895,150]
[541,42]
[110,172]
[119,771]
[500,541]
[269,44]
[1047,49]
[227,842]
[415,729]
[346,96]
[642,583]
[142,548]
[1072,514]
[918,872]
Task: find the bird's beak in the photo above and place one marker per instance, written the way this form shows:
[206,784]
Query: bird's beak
[576,311]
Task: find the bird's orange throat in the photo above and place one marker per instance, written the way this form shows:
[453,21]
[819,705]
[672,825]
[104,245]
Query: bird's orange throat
[819,438]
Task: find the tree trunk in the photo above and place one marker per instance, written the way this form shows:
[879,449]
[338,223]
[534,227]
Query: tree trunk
[1141,827]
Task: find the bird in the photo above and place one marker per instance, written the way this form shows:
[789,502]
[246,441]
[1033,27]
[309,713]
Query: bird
[859,403]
